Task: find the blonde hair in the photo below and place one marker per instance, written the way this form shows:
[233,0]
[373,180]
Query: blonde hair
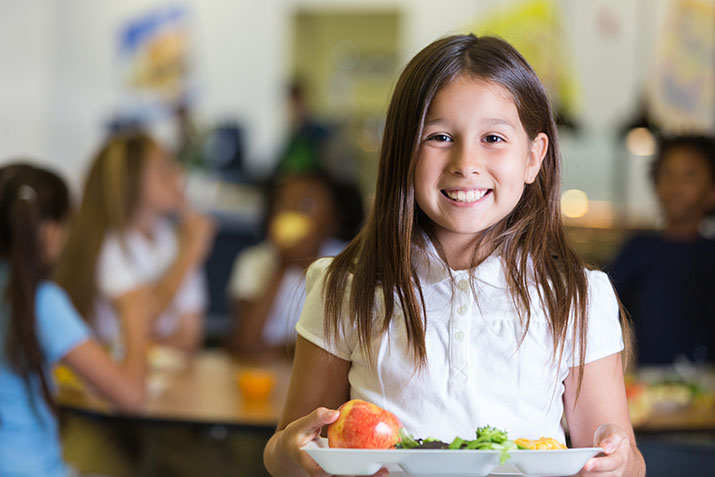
[110,198]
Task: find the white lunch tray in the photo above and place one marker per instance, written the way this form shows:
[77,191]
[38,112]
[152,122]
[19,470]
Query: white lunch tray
[447,461]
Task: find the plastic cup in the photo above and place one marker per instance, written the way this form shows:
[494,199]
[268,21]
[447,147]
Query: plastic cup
[255,385]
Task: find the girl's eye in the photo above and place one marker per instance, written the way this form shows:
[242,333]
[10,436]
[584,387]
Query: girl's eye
[440,138]
[493,138]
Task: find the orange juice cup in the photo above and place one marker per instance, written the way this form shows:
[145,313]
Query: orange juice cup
[255,385]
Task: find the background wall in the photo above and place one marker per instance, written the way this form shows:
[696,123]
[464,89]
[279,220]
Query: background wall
[58,84]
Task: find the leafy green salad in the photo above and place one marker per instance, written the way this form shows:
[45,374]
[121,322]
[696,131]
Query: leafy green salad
[488,438]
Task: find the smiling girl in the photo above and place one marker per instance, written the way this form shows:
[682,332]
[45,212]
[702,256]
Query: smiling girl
[465,305]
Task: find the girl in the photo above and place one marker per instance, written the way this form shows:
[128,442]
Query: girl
[268,280]
[123,258]
[39,327]
[665,279]
[466,306]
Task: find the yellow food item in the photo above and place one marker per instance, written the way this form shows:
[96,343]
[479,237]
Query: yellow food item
[290,227]
[66,378]
[542,443]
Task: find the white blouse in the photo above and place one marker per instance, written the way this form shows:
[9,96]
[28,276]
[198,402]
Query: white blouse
[252,271]
[132,261]
[476,372]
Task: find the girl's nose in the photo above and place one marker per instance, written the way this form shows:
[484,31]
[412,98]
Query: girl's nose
[464,162]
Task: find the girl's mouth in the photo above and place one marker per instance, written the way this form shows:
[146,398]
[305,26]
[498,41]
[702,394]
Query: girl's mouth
[465,196]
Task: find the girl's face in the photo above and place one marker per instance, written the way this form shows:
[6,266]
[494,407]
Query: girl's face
[474,159]
[161,184]
[309,197]
[684,185]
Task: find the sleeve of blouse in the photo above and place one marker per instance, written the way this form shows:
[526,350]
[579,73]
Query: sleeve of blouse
[60,328]
[250,273]
[311,324]
[115,273]
[604,333]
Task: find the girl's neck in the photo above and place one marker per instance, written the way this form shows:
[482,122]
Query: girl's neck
[459,250]
[683,230]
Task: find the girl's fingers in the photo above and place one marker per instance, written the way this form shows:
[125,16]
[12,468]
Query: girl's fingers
[609,437]
[607,463]
[306,429]
[302,431]
[309,427]
[615,445]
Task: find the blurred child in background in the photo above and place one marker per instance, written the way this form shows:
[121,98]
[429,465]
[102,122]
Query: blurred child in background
[306,147]
[309,216]
[124,257]
[666,280]
[39,327]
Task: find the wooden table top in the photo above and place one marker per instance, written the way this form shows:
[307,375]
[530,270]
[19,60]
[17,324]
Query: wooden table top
[204,391]
[661,400]
[690,418]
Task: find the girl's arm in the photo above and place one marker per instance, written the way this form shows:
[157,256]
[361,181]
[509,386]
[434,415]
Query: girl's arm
[250,316]
[319,384]
[195,239]
[599,417]
[122,384]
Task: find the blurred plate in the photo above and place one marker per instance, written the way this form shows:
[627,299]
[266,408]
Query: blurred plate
[167,359]
[426,462]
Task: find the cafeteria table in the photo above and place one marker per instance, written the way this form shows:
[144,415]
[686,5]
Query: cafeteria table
[195,418]
[204,391]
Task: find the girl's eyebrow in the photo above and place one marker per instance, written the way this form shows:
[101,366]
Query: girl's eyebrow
[433,121]
[485,121]
[498,122]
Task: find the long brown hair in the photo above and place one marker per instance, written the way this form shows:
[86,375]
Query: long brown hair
[109,201]
[381,256]
[29,197]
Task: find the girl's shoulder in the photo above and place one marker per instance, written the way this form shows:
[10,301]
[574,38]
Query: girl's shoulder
[601,293]
[317,271]
[598,280]
[51,294]
[59,326]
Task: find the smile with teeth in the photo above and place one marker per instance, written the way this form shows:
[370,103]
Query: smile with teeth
[466,196]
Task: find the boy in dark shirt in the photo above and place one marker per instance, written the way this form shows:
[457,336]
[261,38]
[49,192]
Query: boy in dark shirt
[667,280]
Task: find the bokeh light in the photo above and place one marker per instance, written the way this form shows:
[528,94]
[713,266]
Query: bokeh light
[574,203]
[640,142]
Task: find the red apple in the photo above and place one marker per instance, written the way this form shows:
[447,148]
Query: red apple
[363,425]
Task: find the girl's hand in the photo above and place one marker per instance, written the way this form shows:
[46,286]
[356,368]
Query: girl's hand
[301,431]
[617,449]
[196,235]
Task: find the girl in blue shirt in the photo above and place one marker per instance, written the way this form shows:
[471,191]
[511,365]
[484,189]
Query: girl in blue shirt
[39,327]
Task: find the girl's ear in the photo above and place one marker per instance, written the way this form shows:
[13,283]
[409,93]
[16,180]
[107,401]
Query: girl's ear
[537,151]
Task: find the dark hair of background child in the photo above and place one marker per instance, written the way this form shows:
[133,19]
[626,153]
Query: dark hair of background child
[28,196]
[347,200]
[703,145]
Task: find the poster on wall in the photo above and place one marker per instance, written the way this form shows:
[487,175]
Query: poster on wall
[154,62]
[534,28]
[681,94]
